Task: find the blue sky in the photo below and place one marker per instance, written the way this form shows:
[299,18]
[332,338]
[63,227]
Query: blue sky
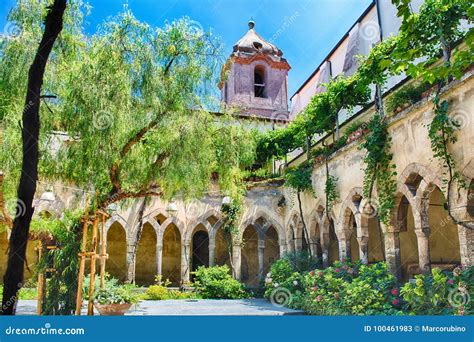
[305,30]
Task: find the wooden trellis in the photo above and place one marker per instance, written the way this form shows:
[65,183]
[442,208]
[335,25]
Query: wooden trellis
[91,255]
[43,275]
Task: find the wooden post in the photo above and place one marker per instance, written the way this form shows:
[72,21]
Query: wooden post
[103,256]
[90,304]
[82,266]
[40,282]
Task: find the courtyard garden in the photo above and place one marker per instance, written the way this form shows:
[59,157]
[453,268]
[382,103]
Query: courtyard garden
[127,118]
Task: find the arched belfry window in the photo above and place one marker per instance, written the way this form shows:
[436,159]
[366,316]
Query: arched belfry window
[259,81]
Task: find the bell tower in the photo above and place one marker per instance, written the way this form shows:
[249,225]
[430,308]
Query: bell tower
[255,78]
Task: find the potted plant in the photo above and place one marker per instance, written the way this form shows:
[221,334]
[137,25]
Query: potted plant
[115,300]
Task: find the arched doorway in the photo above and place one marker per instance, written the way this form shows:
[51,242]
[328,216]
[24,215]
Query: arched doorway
[272,249]
[200,248]
[171,265]
[444,238]
[408,240]
[249,271]
[145,267]
[116,264]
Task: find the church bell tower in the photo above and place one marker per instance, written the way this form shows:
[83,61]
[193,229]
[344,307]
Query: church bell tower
[255,78]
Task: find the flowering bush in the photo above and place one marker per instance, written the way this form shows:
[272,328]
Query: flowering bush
[289,273]
[440,293]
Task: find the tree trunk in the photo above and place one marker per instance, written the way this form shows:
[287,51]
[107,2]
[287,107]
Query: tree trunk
[30,135]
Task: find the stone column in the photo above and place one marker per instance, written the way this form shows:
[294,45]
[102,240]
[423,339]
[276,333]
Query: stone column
[466,245]
[261,258]
[212,253]
[282,249]
[344,249]
[363,249]
[237,260]
[159,258]
[392,252]
[185,261]
[298,241]
[131,261]
[423,239]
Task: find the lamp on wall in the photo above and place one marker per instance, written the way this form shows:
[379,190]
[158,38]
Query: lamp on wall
[226,200]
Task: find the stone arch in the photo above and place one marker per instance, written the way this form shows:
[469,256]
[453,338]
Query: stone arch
[171,253]
[116,247]
[199,238]
[315,234]
[171,220]
[146,267]
[120,220]
[417,177]
[250,260]
[158,215]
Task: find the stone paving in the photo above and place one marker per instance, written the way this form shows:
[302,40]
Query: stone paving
[201,307]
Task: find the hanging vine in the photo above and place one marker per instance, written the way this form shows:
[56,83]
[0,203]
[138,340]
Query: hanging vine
[379,170]
[230,216]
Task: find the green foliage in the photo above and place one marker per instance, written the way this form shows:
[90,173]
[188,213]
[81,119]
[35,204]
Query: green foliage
[288,273]
[442,133]
[436,29]
[132,110]
[160,291]
[379,169]
[407,95]
[109,282]
[216,283]
[27,293]
[120,294]
[330,190]
[299,177]
[440,293]
[62,285]
[351,289]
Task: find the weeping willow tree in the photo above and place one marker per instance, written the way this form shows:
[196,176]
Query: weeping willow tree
[126,110]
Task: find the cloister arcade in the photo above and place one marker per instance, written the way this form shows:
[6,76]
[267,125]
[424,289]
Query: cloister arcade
[421,235]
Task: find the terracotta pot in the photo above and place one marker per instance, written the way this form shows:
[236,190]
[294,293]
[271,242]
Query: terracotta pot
[112,309]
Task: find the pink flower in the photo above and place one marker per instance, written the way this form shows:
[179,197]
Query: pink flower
[344,267]
[337,270]
[314,288]
[311,273]
[450,281]
[394,292]
[318,298]
[350,270]
[395,302]
[320,274]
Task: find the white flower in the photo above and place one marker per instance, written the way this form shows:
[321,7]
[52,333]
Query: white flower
[269,275]
[276,285]
[295,283]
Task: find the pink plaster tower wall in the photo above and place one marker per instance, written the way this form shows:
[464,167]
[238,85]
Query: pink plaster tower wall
[255,78]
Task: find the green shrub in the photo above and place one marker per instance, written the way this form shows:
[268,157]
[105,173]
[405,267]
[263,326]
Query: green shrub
[407,94]
[216,282]
[119,294]
[440,293]
[109,282]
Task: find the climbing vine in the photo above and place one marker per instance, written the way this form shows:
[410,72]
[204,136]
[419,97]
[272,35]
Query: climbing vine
[230,216]
[379,170]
